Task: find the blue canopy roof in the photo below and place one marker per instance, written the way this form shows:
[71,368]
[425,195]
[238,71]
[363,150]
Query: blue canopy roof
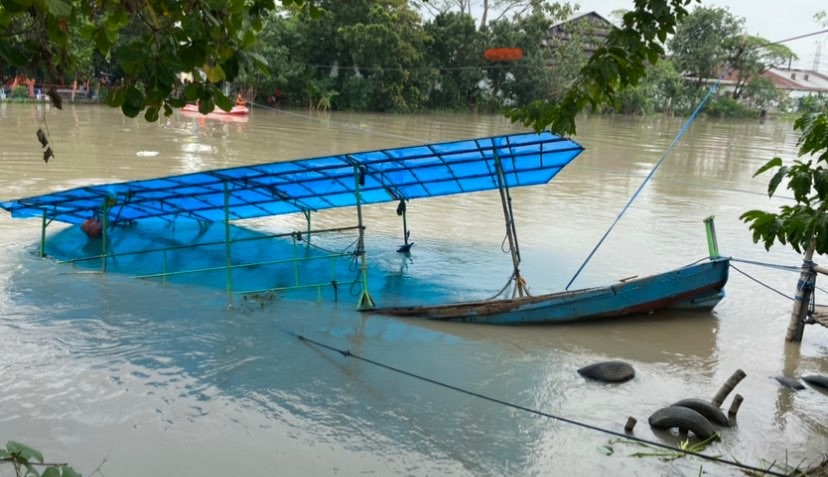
[314,184]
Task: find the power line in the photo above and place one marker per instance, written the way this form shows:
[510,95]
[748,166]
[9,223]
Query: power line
[348,354]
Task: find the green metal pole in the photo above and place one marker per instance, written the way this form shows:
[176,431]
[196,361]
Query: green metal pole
[712,243]
[43,236]
[365,301]
[227,246]
[295,263]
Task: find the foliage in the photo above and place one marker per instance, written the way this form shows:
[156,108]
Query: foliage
[707,39]
[761,92]
[662,89]
[621,62]
[210,41]
[20,91]
[23,457]
[804,224]
[454,40]
[727,106]
[812,104]
[754,56]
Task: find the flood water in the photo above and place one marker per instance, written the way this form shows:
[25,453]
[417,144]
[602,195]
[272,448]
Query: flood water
[145,379]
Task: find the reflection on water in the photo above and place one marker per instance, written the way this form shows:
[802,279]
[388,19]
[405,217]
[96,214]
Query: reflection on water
[168,381]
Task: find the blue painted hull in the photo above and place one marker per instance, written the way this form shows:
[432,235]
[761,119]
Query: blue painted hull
[695,287]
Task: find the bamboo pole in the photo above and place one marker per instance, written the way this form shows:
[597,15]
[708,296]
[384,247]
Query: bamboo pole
[804,290]
[727,387]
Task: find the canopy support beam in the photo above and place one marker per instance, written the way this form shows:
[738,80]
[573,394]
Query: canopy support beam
[307,213]
[365,302]
[227,245]
[511,232]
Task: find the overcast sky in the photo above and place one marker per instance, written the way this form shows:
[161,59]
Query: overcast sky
[771,19]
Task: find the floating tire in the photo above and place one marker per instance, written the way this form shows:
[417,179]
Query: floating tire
[816,380]
[792,383]
[682,418]
[608,371]
[706,409]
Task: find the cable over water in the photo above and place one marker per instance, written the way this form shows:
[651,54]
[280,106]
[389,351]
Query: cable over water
[347,354]
[681,132]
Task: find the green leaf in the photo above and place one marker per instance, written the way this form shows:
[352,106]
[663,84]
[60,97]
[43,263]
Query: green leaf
[223,101]
[249,39]
[134,98]
[206,105]
[70,472]
[51,472]
[58,8]
[776,180]
[775,162]
[191,91]
[130,111]
[178,102]
[116,97]
[12,55]
[151,114]
[215,74]
[24,451]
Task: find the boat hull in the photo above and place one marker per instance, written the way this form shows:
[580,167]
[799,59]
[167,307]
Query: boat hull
[695,287]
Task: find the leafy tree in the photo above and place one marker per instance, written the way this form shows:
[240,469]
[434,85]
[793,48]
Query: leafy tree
[621,62]
[755,56]
[209,40]
[705,41]
[662,89]
[805,224]
[386,46]
[455,48]
[488,10]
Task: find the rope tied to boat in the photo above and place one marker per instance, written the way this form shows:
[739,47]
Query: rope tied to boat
[649,176]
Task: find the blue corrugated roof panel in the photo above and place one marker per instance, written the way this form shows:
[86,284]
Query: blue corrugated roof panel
[314,184]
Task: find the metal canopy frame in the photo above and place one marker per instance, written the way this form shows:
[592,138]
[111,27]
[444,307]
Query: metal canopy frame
[314,184]
[309,185]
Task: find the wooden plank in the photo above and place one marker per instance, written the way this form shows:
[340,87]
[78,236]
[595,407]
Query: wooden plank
[820,315]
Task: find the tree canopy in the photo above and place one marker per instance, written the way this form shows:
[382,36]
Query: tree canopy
[154,40]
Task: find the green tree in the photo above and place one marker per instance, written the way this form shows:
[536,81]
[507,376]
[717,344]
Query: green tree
[621,62]
[385,45]
[210,41]
[804,224]
[705,41]
[455,48]
[755,56]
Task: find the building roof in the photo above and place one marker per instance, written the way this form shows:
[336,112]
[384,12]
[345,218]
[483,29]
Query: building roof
[795,79]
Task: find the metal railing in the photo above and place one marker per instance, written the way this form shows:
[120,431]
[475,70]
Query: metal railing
[295,261]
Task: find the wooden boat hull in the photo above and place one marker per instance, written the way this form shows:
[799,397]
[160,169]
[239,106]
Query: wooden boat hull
[694,287]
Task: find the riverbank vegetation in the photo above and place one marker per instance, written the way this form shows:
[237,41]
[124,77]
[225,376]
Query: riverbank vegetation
[391,56]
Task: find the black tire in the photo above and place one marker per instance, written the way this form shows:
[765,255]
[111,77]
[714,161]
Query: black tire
[706,409]
[683,418]
[792,383]
[608,371]
[816,380]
